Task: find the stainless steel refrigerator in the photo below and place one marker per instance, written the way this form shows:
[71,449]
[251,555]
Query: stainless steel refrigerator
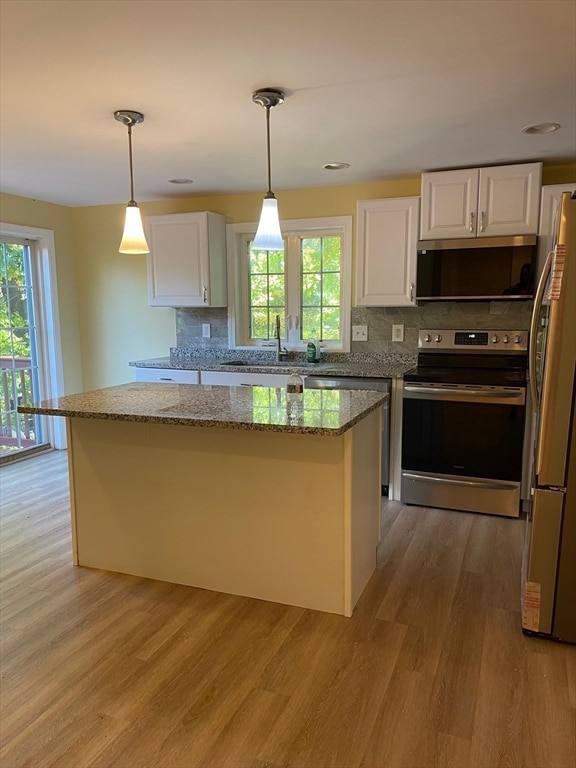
[549,562]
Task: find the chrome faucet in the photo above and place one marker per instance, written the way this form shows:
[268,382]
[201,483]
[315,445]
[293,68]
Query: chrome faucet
[281,351]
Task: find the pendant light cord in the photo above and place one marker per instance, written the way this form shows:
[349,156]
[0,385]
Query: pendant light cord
[132,201]
[269,194]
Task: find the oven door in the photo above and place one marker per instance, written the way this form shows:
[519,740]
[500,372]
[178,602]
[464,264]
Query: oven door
[462,446]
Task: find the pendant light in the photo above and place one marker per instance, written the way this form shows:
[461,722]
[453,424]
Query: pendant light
[133,239]
[268,235]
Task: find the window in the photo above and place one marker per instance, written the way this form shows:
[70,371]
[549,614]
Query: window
[307,285]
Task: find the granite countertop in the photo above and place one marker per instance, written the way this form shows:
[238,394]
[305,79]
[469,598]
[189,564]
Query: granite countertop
[370,368]
[330,412]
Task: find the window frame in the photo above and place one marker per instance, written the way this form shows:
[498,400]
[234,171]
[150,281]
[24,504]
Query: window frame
[238,297]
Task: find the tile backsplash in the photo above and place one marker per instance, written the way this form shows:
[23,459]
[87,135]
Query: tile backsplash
[189,328]
[506,315]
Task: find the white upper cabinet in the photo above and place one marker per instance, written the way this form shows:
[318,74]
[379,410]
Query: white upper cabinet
[387,234]
[187,260]
[549,213]
[449,204]
[481,202]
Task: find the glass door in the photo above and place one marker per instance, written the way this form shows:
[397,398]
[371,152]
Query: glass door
[19,370]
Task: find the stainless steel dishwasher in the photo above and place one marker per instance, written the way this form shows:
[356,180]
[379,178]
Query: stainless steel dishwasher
[380,385]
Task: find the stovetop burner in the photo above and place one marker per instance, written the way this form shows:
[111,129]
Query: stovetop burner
[467,357]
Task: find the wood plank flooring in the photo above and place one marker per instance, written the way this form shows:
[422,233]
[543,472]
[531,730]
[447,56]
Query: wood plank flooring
[102,670]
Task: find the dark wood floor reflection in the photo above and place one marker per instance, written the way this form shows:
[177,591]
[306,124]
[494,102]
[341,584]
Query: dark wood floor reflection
[105,670]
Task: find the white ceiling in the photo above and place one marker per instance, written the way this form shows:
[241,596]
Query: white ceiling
[392,87]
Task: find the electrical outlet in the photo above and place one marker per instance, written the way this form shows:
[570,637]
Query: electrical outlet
[205,330]
[359,333]
[397,333]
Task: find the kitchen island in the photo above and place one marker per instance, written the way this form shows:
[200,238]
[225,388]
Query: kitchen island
[223,488]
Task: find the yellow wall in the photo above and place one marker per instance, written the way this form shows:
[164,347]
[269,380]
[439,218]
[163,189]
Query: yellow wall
[104,314]
[116,323]
[559,174]
[58,218]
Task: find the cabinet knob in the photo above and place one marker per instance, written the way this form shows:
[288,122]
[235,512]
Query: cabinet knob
[471,226]
[482,221]
[205,294]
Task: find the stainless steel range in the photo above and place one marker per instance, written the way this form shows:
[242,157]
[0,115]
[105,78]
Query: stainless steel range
[463,417]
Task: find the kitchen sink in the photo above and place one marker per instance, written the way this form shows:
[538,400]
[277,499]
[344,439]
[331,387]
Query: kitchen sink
[261,364]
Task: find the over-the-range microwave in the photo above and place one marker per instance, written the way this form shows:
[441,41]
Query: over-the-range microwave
[483,268]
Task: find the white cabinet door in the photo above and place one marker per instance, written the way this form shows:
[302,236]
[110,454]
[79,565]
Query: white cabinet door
[227,379]
[187,260]
[509,200]
[166,375]
[481,202]
[387,234]
[449,204]
[549,212]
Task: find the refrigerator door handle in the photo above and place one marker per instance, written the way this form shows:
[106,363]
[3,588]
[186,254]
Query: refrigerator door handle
[534,331]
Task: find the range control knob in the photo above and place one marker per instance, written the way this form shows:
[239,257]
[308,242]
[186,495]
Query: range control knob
[495,339]
[437,338]
[427,338]
[517,339]
[505,339]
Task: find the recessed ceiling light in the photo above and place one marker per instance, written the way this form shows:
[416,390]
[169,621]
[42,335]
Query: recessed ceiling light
[541,128]
[181,181]
[336,166]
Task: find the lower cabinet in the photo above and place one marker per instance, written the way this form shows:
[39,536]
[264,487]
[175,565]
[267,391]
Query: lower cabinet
[223,378]
[243,379]
[167,375]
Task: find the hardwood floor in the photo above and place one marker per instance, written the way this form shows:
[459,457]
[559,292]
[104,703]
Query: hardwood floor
[104,670]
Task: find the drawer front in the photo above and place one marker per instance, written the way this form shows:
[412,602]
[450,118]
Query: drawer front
[166,375]
[243,379]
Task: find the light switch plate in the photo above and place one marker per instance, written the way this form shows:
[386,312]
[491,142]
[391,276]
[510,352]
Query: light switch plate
[205,330]
[359,333]
[397,333]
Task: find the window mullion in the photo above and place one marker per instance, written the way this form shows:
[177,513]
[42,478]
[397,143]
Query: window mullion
[293,280]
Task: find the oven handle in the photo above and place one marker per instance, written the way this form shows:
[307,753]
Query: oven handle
[469,483]
[516,396]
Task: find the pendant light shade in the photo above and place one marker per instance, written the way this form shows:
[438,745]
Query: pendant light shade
[268,235]
[133,239]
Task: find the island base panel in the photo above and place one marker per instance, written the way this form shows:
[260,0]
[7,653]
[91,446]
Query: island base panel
[288,518]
